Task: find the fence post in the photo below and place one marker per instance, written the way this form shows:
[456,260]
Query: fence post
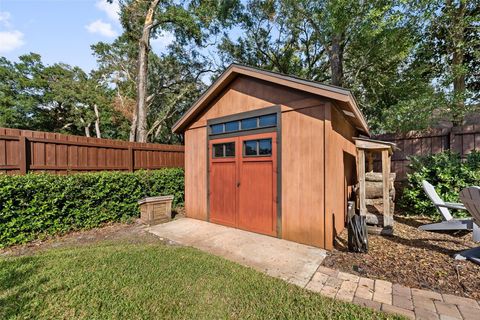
[452,139]
[23,154]
[131,159]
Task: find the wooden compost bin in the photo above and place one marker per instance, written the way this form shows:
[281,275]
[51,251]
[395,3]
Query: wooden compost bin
[376,191]
[154,210]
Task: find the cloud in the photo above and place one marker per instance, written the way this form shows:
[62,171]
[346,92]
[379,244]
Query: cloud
[10,40]
[102,28]
[111,9]
[5,19]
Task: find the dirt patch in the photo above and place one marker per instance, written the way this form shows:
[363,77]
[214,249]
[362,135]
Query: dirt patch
[133,232]
[414,258]
[130,232]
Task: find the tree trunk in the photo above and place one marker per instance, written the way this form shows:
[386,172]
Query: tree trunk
[457,16]
[144,48]
[86,127]
[336,60]
[87,131]
[97,121]
[133,126]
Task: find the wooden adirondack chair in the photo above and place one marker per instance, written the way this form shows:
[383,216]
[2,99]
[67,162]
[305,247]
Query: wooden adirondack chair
[449,222]
[470,197]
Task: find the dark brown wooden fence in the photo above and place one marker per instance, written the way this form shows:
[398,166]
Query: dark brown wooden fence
[24,151]
[462,139]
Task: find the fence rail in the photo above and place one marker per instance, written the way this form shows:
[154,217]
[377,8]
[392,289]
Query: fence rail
[461,139]
[23,151]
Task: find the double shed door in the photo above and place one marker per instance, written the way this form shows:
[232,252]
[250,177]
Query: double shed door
[243,182]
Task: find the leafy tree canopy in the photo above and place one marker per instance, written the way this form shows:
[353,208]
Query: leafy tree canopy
[409,63]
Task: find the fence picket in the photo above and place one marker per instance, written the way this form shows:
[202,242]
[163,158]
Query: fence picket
[24,151]
[461,139]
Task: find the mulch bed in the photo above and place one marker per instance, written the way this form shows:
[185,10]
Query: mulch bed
[414,258]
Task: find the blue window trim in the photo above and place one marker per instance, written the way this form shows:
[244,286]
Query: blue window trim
[239,124]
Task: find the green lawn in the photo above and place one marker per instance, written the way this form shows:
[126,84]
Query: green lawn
[152,280]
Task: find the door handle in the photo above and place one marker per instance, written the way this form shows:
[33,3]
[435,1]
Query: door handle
[238,184]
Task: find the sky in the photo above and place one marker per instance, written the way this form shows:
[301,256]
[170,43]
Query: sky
[60,30]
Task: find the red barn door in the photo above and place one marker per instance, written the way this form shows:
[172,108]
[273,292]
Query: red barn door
[243,182]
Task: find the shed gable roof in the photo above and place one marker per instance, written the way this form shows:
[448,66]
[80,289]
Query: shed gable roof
[347,101]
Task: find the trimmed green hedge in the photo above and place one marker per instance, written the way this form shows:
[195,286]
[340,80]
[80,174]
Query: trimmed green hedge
[447,173]
[35,205]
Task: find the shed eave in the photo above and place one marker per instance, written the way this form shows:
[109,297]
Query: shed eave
[328,91]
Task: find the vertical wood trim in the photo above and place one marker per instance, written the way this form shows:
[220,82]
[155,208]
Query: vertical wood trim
[327,214]
[361,180]
[387,217]
[196,173]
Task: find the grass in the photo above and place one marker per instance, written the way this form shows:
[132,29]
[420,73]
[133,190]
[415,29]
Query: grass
[151,280]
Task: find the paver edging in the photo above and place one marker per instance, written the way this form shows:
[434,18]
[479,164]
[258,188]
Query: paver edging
[393,298]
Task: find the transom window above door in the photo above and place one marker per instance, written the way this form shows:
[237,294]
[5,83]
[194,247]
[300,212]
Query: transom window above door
[224,150]
[264,121]
[257,148]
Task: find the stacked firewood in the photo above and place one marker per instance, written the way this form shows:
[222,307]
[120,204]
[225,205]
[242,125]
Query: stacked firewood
[374,198]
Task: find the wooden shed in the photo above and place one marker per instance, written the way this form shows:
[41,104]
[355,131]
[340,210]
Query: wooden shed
[272,154]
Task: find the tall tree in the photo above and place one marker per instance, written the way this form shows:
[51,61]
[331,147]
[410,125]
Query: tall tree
[117,65]
[361,45]
[143,19]
[452,48]
[174,81]
[21,92]
[56,98]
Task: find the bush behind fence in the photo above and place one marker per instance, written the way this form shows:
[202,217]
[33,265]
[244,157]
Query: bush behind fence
[461,140]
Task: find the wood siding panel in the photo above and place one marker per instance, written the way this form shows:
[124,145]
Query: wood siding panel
[246,94]
[196,173]
[302,166]
[340,171]
[302,191]
[305,148]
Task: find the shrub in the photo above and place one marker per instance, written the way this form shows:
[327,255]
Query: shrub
[447,173]
[35,205]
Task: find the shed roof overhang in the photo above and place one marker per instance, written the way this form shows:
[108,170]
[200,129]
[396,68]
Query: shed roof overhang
[343,97]
[374,145]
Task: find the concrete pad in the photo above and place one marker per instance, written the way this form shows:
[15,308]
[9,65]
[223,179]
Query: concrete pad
[290,261]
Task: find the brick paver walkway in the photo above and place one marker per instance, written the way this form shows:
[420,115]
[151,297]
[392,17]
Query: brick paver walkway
[301,265]
[393,298]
